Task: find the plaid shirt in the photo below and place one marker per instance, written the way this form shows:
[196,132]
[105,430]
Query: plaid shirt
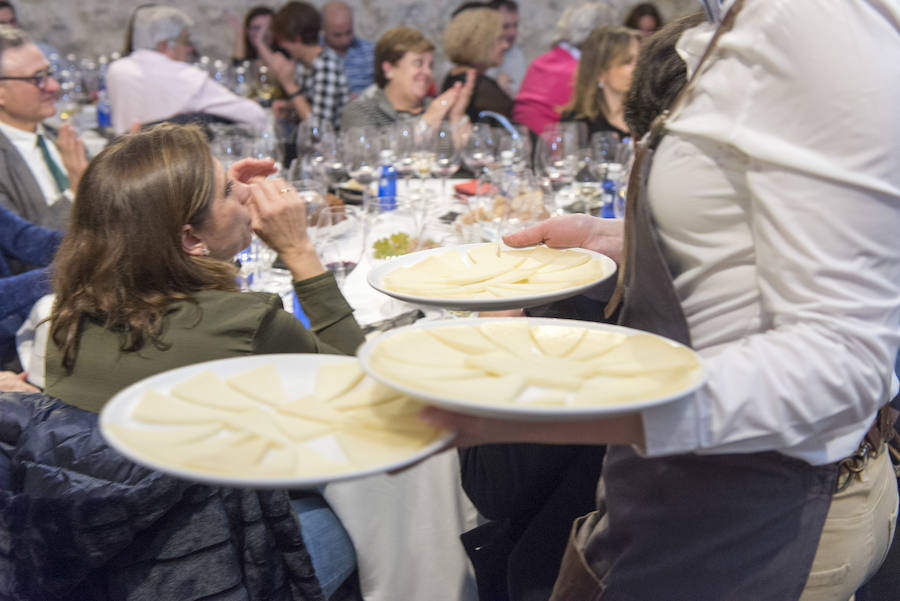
[324,85]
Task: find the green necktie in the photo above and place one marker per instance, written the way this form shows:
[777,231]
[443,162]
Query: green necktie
[62,180]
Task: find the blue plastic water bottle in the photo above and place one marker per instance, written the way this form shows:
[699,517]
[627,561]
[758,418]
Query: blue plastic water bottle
[387,182]
[104,115]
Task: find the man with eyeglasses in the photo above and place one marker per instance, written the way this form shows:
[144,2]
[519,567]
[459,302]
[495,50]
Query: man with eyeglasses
[156,83]
[39,172]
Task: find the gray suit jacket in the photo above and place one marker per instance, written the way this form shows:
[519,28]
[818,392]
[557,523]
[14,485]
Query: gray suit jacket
[21,194]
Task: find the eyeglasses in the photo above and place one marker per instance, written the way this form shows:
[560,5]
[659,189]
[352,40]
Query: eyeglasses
[40,79]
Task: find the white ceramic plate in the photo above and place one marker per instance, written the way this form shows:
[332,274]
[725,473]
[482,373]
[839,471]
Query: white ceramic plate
[297,373]
[376,279]
[523,411]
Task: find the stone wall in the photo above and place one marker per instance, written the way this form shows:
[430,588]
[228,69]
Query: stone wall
[95,27]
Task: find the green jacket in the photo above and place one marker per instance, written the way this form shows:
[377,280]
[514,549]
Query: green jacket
[221,324]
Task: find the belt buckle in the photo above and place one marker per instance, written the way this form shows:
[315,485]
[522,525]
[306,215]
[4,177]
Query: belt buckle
[850,467]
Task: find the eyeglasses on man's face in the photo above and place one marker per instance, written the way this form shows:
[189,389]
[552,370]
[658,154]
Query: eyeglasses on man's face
[40,79]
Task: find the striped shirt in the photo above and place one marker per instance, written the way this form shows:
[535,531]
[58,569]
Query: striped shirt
[359,65]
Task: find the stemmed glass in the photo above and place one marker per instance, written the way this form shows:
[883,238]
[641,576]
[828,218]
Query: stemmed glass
[478,153]
[556,158]
[340,239]
[423,154]
[515,149]
[314,139]
[610,156]
[361,147]
[403,143]
[446,156]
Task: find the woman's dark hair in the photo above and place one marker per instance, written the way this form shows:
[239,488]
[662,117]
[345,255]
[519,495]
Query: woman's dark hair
[121,261]
[249,49]
[297,20]
[659,75]
[644,9]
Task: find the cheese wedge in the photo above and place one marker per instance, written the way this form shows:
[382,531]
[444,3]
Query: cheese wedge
[365,447]
[643,354]
[206,388]
[408,373]
[158,408]
[262,384]
[512,336]
[259,423]
[594,343]
[417,347]
[557,341]
[367,393]
[602,391]
[464,339]
[503,389]
[536,371]
[152,440]
[243,455]
[312,408]
[573,276]
[334,379]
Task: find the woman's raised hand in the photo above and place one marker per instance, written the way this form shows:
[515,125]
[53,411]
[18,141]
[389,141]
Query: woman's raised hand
[574,231]
[452,102]
[278,216]
[246,170]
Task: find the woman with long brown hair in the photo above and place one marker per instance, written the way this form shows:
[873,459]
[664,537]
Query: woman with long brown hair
[144,280]
[608,57]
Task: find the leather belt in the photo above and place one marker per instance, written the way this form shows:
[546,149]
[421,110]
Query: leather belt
[881,432]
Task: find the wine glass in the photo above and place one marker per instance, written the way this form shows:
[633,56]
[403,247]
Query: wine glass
[393,228]
[340,239]
[515,149]
[479,152]
[403,145]
[312,192]
[556,158]
[314,138]
[609,158]
[361,155]
[446,155]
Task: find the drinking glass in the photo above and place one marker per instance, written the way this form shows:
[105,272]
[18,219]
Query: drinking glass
[479,152]
[515,149]
[393,228]
[403,145]
[446,156]
[339,239]
[610,157]
[361,147]
[314,138]
[312,192]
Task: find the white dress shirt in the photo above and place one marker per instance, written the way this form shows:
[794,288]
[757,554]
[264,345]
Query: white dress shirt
[777,201]
[148,86]
[26,143]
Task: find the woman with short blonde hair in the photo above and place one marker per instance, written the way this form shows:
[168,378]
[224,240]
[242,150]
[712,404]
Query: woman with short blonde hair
[473,40]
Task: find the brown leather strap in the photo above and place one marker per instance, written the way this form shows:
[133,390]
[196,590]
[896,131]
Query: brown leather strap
[576,580]
[650,141]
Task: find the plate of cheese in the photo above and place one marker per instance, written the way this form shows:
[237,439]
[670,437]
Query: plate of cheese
[268,421]
[533,368]
[491,277]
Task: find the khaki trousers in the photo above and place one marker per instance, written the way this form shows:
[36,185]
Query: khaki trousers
[857,533]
